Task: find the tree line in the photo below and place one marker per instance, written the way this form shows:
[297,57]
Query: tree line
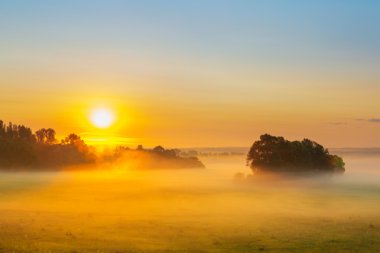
[155,158]
[20,147]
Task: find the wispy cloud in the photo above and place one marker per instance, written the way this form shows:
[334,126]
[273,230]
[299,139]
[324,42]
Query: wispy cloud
[338,123]
[374,120]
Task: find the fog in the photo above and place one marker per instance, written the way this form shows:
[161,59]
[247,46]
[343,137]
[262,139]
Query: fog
[117,207]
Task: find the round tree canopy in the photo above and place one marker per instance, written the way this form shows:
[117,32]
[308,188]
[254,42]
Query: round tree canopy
[276,154]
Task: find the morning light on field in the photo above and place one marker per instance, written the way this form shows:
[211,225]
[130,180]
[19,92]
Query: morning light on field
[189,126]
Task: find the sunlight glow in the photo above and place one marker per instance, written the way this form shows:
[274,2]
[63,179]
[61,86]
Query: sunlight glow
[102,118]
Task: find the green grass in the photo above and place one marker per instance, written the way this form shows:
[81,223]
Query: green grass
[161,213]
[64,232]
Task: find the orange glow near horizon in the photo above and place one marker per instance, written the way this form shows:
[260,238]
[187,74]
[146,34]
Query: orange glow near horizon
[103,122]
[101,126]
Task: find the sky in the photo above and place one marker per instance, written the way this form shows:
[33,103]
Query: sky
[194,73]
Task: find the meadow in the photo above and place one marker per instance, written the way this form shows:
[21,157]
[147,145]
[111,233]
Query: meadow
[116,209]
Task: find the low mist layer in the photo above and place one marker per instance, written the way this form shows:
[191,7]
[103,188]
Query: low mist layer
[122,210]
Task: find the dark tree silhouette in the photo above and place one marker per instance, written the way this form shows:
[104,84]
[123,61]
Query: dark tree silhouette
[46,136]
[40,135]
[275,154]
[72,139]
[19,147]
[50,136]
[16,144]
[158,157]
[159,149]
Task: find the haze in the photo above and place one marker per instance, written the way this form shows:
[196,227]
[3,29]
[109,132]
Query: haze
[189,126]
[117,209]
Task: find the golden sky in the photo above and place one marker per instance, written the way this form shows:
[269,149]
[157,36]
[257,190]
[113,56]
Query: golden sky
[192,74]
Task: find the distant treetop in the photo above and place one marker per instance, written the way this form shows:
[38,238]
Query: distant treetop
[276,154]
[20,148]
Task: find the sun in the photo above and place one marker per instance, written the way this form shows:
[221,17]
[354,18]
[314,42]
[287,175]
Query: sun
[102,117]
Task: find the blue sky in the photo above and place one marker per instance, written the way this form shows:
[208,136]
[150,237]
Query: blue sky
[315,60]
[282,30]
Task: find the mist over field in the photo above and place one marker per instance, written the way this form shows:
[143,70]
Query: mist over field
[195,126]
[217,209]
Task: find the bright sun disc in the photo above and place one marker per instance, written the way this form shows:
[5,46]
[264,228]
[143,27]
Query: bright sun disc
[102,118]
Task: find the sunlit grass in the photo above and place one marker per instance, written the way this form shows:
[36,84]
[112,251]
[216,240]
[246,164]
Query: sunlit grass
[184,211]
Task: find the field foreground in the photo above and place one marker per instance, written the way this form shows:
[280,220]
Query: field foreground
[189,211]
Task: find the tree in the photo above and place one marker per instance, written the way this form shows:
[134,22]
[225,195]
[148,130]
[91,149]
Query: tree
[40,135]
[2,129]
[19,147]
[50,136]
[77,142]
[159,149]
[166,152]
[46,136]
[25,133]
[72,139]
[272,153]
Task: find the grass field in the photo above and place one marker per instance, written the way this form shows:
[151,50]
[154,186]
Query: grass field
[190,211]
